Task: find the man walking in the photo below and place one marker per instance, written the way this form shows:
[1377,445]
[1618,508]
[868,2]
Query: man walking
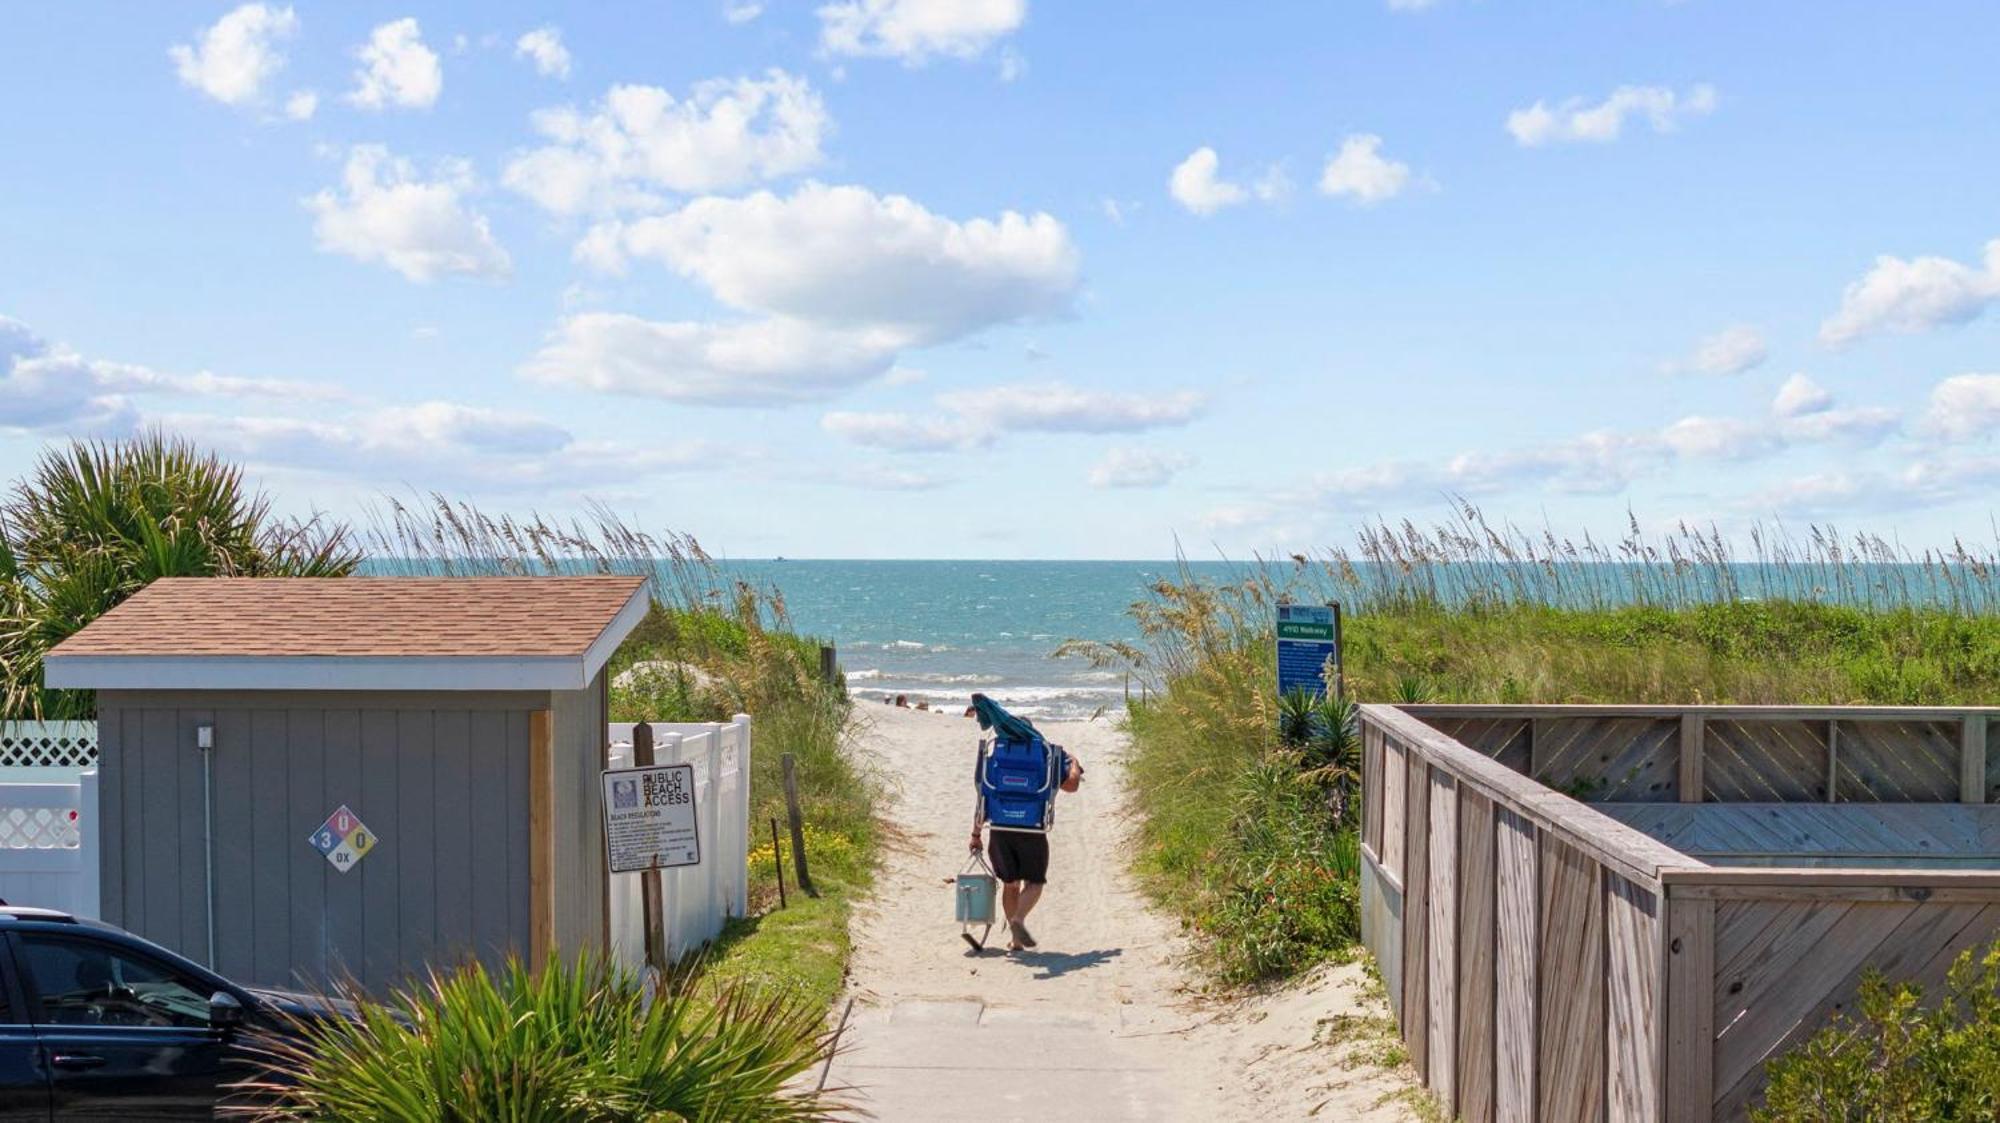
[1017,779]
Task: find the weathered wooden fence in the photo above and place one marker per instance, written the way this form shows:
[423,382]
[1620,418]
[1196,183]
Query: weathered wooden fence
[1549,962]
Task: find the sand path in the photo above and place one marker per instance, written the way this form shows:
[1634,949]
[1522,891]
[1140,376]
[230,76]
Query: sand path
[1099,1023]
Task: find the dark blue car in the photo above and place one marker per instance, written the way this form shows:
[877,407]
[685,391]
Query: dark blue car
[96,1023]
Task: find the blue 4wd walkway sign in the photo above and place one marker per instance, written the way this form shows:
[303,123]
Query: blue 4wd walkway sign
[1308,637]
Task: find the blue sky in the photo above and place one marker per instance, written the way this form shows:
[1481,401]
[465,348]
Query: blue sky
[1007,278]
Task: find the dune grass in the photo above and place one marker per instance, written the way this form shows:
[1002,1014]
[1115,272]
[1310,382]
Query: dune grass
[1253,849]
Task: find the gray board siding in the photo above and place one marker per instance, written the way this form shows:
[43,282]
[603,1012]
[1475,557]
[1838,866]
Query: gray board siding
[441,779]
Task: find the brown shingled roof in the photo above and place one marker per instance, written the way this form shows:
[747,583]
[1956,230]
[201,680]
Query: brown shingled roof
[358,616]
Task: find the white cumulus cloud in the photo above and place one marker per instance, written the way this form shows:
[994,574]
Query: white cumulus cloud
[833,284]
[1196,184]
[1799,396]
[1138,467]
[1057,407]
[544,47]
[301,105]
[1964,406]
[915,31]
[397,69]
[742,11]
[726,133]
[760,362]
[968,419]
[1732,350]
[50,388]
[1360,172]
[844,256]
[443,444]
[385,212]
[1579,121]
[234,60]
[1914,295]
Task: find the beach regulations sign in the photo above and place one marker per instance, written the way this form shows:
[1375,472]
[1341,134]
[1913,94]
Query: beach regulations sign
[1308,639]
[649,821]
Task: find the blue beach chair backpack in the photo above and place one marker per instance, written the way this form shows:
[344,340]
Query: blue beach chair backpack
[1017,783]
[1018,774]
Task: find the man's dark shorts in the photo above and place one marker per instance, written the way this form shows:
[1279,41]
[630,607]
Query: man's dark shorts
[1019,856]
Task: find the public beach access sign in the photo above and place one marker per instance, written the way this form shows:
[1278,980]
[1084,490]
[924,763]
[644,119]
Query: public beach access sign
[649,818]
[1308,637]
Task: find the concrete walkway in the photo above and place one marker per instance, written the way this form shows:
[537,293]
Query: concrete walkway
[927,1060]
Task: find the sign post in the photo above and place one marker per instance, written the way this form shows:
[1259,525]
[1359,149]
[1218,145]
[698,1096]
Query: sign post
[1309,639]
[654,924]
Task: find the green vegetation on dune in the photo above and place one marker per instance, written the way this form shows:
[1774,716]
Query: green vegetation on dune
[1743,653]
[1249,839]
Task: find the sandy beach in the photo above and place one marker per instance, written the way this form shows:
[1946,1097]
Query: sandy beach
[1103,1021]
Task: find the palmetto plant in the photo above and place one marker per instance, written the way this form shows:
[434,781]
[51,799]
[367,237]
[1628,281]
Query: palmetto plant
[572,1042]
[96,522]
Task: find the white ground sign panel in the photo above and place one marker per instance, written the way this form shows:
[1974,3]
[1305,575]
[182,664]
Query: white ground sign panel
[649,818]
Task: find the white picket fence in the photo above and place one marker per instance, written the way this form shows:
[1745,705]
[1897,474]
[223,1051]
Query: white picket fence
[695,901]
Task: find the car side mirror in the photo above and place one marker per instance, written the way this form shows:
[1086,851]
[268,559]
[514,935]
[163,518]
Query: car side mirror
[224,1011]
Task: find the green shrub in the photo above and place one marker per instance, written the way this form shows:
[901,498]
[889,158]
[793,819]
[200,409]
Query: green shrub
[1899,1060]
[574,1042]
[1243,794]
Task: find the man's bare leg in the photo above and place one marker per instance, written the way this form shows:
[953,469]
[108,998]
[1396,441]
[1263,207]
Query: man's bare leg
[1025,901]
[1018,915]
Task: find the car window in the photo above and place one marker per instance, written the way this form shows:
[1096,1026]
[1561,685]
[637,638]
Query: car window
[83,982]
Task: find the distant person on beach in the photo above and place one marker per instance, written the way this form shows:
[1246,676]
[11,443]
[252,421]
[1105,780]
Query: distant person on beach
[1019,854]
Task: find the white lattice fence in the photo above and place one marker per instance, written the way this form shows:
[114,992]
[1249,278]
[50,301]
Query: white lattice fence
[48,744]
[48,844]
[38,828]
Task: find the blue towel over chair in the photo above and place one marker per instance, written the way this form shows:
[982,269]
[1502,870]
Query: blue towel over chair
[1004,724]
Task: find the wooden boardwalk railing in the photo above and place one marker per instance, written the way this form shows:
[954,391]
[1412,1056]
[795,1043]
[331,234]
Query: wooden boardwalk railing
[1549,962]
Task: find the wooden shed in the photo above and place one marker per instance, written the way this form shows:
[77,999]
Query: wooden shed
[307,780]
[1626,912]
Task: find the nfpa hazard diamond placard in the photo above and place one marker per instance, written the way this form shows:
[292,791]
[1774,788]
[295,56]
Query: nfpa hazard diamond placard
[343,838]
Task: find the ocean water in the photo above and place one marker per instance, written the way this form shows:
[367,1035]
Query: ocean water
[939,631]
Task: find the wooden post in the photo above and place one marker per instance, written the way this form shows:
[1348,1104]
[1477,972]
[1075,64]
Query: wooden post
[1339,658]
[1833,760]
[1690,1009]
[649,880]
[778,857]
[1692,728]
[541,839]
[1972,761]
[798,824]
[829,662]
